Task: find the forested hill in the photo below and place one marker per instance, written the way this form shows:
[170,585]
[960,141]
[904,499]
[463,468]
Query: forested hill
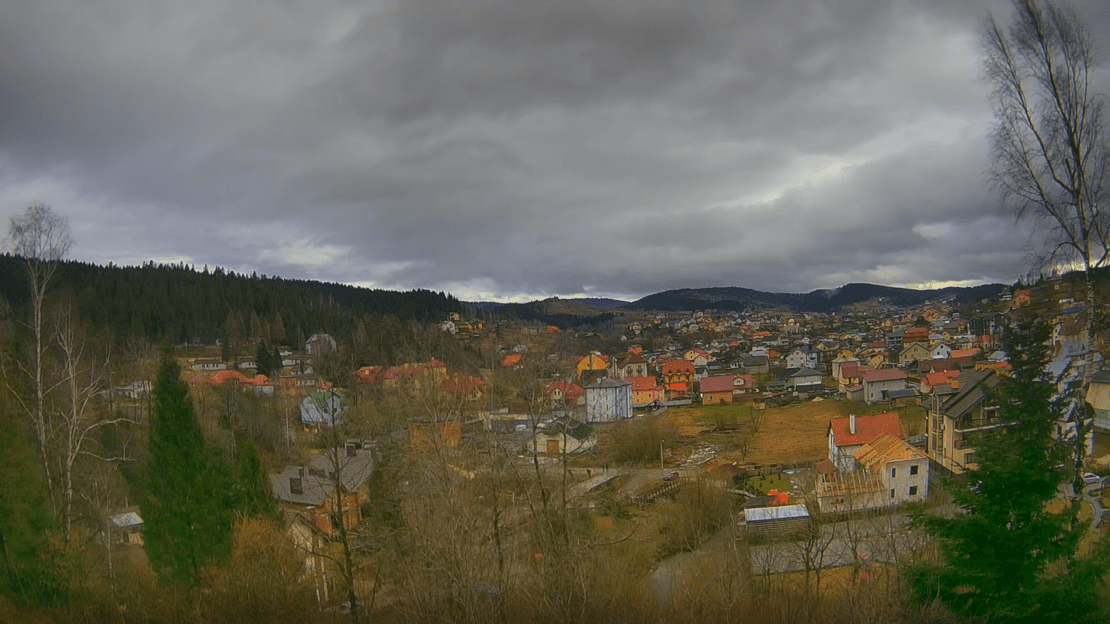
[178,303]
[735,298]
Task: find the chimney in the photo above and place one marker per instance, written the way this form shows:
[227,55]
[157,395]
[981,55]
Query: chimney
[852,424]
[351,448]
[295,485]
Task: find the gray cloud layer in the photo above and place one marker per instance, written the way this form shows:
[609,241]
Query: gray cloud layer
[497,148]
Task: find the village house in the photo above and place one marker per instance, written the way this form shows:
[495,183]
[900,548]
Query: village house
[628,365]
[310,490]
[564,435]
[592,366]
[678,377]
[1098,395]
[563,393]
[803,357]
[717,390]
[847,435]
[889,472]
[206,365]
[646,391]
[877,383]
[806,381]
[956,414]
[320,344]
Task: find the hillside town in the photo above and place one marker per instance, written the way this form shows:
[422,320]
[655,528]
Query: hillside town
[792,422]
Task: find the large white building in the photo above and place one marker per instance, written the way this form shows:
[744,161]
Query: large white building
[608,400]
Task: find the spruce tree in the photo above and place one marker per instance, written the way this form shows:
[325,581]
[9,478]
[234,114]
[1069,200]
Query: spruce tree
[253,496]
[186,505]
[1010,553]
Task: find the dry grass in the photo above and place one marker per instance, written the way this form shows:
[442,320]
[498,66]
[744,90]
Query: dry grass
[791,434]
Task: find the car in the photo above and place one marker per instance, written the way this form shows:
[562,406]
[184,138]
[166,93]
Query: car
[670,476]
[1091,478]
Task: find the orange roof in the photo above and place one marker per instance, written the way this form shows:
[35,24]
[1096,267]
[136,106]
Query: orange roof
[885,448]
[511,360]
[643,383]
[570,390]
[674,367]
[964,353]
[941,377]
[226,375]
[868,427]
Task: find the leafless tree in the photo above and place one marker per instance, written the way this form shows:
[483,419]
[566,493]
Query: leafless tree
[83,382]
[1050,149]
[41,238]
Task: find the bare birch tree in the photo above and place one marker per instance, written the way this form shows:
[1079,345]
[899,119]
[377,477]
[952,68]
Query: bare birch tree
[41,237]
[83,382]
[1049,146]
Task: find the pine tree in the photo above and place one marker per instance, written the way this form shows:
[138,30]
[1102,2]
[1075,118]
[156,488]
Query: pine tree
[253,496]
[263,360]
[1011,553]
[186,512]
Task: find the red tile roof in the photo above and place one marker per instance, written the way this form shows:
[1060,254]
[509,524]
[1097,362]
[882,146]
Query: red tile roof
[941,377]
[883,374]
[643,383]
[678,366]
[868,428]
[511,360]
[720,383]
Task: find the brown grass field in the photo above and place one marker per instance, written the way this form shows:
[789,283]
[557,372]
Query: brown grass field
[790,434]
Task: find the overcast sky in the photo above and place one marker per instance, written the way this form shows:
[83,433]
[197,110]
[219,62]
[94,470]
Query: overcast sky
[514,149]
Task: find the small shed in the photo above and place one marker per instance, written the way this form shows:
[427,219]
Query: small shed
[776,520]
[126,527]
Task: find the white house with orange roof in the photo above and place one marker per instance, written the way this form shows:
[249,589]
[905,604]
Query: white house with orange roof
[888,472]
[848,434]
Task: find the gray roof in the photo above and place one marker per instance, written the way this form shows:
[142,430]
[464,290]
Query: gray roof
[806,372]
[316,477]
[608,382]
[126,520]
[973,389]
[782,512]
[323,407]
[1102,376]
[574,428]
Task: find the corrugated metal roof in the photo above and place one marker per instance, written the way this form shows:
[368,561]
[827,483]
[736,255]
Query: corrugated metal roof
[784,512]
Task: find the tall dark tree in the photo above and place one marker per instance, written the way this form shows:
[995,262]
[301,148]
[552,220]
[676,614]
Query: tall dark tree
[264,360]
[1010,555]
[186,512]
[253,497]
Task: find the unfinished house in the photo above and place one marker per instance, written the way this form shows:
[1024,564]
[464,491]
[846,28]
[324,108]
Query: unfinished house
[888,472]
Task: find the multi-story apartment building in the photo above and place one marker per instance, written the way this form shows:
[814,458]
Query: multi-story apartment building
[958,414]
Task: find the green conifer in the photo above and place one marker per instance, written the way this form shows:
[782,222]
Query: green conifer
[186,512]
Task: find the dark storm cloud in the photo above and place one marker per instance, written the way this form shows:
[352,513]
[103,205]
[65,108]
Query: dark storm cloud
[501,148]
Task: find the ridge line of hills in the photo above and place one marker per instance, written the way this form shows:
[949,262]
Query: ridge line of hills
[738,298]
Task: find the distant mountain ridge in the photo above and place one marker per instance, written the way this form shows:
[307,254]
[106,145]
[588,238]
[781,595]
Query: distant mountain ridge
[822,300]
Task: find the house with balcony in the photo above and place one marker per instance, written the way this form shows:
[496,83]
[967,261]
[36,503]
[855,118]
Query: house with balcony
[959,413]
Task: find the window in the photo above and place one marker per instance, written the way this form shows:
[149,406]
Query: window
[913,469]
[913,490]
[893,472]
[892,492]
